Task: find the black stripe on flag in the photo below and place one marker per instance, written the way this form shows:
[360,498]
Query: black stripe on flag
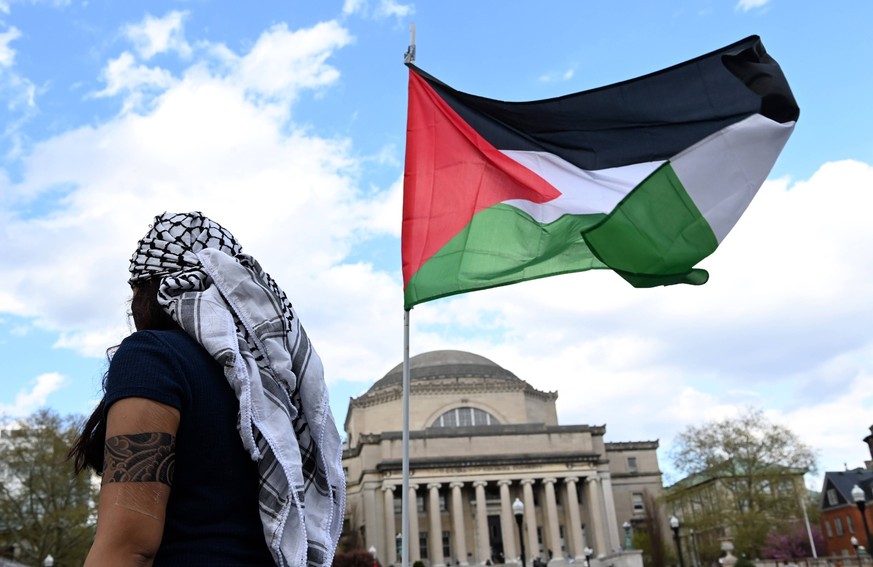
[650,118]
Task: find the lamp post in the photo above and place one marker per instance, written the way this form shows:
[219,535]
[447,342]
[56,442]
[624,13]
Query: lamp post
[674,525]
[627,535]
[860,499]
[588,553]
[372,551]
[518,511]
[854,542]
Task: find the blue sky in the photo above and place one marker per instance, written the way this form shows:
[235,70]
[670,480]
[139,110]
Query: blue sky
[285,122]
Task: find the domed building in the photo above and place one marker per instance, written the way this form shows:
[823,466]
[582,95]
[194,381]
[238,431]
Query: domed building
[480,438]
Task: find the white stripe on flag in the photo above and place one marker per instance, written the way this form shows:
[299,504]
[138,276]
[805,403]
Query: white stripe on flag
[722,172]
[582,192]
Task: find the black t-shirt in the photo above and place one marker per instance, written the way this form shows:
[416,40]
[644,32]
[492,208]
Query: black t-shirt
[212,514]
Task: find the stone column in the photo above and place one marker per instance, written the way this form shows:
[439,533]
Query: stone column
[554,524]
[458,528]
[575,538]
[613,535]
[373,529]
[390,554]
[507,522]
[414,547]
[482,522]
[436,526]
[530,519]
[595,515]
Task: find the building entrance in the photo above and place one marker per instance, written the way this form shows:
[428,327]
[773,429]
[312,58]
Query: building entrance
[495,535]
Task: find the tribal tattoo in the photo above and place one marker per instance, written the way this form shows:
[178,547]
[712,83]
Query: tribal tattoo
[140,457]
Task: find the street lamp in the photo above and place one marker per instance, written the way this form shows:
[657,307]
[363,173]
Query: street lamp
[854,542]
[372,551]
[49,561]
[674,525]
[860,499]
[627,537]
[588,553]
[518,510]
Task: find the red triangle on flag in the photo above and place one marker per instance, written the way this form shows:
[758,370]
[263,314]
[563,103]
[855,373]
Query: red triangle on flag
[451,174]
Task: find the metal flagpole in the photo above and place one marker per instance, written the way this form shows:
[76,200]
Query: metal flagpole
[409,57]
[806,521]
[404,498]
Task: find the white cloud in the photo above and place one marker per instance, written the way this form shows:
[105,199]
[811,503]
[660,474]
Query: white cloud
[153,35]
[383,9]
[283,62]
[353,6]
[29,400]
[205,144]
[747,5]
[392,8]
[124,75]
[7,54]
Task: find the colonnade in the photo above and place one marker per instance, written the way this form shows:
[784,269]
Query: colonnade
[465,553]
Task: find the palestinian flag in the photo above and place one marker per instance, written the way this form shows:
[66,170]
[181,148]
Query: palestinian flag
[645,177]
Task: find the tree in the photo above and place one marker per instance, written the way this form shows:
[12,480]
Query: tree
[45,508]
[650,539]
[792,544]
[744,478]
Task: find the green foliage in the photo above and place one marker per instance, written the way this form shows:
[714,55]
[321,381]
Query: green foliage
[44,507]
[745,479]
[651,537]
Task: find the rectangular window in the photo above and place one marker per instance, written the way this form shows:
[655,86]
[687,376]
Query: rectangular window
[442,502]
[419,503]
[832,497]
[838,526]
[850,525]
[422,544]
[638,504]
[447,547]
[398,541]
[632,465]
[828,529]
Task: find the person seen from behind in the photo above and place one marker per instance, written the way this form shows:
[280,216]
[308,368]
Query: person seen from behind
[215,427]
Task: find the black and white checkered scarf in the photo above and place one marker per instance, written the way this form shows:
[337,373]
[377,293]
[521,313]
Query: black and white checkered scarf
[223,299]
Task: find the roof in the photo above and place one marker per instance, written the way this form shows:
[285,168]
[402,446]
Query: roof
[441,364]
[728,470]
[843,482]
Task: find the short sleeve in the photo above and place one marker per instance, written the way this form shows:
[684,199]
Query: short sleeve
[144,366]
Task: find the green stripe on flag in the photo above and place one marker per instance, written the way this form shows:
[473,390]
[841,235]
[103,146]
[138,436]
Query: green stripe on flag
[655,235]
[503,245]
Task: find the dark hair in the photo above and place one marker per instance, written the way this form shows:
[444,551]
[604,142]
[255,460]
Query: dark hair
[87,450]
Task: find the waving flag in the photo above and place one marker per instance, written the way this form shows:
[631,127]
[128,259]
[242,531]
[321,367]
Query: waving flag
[644,177]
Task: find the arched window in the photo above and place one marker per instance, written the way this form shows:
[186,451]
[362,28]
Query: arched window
[465,417]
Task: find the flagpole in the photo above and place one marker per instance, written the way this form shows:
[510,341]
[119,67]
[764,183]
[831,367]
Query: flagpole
[408,58]
[404,498]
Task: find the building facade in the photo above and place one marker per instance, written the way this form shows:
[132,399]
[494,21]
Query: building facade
[480,438]
[841,519]
[732,503]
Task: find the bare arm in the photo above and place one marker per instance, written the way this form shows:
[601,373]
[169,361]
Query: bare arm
[137,477]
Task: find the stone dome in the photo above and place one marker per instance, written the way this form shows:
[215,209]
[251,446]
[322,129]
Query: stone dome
[440,365]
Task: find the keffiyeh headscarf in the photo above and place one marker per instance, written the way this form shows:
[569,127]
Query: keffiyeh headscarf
[223,299]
